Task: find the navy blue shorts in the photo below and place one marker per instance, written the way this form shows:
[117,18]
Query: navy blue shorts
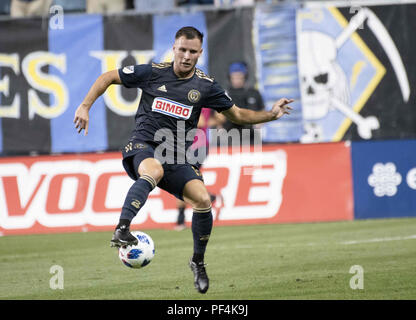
[175,175]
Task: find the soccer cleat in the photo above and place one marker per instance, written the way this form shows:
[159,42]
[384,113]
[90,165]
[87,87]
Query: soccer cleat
[123,237]
[201,280]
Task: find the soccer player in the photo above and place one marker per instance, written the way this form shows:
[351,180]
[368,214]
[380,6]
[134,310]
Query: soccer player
[173,95]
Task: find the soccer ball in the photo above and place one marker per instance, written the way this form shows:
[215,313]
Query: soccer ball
[139,255]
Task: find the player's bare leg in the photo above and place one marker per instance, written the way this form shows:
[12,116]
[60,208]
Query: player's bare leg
[196,194]
[151,172]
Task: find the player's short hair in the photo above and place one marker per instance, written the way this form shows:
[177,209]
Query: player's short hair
[189,33]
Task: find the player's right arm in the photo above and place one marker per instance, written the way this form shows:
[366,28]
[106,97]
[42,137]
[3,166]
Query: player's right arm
[81,118]
[130,77]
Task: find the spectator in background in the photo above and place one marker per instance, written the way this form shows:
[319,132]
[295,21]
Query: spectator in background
[105,6]
[245,97]
[29,8]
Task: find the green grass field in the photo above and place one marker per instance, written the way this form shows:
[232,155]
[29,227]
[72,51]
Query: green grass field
[287,261]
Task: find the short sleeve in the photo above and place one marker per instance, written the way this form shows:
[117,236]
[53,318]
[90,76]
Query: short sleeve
[218,99]
[135,76]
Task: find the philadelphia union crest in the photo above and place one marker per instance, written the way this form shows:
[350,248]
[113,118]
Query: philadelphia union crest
[194,96]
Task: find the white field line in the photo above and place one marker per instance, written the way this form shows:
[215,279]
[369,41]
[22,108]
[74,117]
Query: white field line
[379,240]
[283,245]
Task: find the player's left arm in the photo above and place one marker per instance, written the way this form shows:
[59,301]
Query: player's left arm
[246,116]
[100,85]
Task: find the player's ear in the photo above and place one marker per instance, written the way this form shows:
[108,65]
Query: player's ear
[174,45]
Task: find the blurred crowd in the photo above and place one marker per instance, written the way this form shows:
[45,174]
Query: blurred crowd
[27,8]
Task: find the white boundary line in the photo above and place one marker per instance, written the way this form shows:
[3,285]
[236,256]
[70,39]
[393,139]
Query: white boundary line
[379,240]
[284,245]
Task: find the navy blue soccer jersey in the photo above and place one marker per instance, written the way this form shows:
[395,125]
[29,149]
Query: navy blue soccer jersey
[169,102]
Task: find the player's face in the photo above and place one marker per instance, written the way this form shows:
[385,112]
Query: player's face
[186,54]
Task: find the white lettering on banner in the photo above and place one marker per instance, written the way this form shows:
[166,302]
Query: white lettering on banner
[73,193]
[17,216]
[100,210]
[41,193]
[255,196]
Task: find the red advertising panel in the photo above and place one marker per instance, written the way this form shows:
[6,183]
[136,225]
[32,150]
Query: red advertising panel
[278,184]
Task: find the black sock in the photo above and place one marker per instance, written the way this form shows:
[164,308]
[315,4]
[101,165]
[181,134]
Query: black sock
[198,257]
[181,216]
[136,197]
[201,231]
[123,223]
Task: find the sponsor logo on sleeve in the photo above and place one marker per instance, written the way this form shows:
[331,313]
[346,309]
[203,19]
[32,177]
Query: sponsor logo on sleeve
[128,69]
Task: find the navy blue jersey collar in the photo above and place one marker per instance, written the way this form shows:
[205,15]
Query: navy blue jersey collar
[178,78]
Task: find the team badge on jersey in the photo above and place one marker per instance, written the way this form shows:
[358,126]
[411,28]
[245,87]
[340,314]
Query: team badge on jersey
[194,96]
[128,69]
[171,108]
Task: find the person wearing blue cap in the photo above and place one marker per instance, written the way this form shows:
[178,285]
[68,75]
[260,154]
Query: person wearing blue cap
[246,97]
